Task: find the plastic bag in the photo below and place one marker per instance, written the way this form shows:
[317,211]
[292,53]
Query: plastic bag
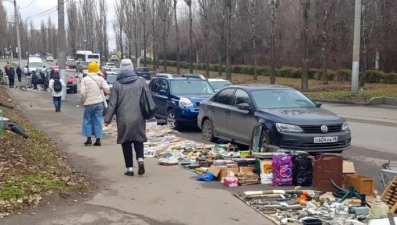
[206,177]
[282,170]
[302,170]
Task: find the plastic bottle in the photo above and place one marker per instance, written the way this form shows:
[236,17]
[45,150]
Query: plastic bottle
[379,209]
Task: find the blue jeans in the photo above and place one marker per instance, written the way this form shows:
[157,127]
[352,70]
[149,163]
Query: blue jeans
[92,120]
[57,102]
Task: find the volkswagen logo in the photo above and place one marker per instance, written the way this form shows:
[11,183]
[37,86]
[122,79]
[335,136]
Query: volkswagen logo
[324,129]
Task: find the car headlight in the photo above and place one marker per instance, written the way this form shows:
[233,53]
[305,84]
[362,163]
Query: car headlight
[345,126]
[283,128]
[184,102]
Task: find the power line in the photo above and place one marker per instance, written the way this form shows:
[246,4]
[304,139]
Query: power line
[28,5]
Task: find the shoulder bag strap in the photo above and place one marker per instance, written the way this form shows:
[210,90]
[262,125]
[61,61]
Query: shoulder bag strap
[100,88]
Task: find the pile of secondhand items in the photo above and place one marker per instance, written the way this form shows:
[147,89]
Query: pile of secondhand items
[318,207]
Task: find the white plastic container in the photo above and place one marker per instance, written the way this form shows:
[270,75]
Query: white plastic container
[379,209]
[266,178]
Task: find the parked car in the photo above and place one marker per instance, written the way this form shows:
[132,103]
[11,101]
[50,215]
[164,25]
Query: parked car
[218,84]
[115,70]
[81,65]
[81,75]
[111,79]
[71,80]
[143,72]
[49,59]
[289,120]
[178,98]
[71,63]
[114,58]
[109,65]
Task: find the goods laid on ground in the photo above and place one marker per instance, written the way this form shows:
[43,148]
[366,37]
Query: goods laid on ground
[339,195]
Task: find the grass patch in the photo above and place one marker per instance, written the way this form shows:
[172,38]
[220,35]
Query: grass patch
[337,90]
[31,168]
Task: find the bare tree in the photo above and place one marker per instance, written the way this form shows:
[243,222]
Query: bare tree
[103,29]
[118,25]
[155,35]
[252,8]
[165,7]
[189,4]
[274,4]
[305,48]
[205,17]
[72,27]
[229,4]
[145,14]
[178,44]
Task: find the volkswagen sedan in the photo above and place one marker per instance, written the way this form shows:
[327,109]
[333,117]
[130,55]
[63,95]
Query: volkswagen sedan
[287,118]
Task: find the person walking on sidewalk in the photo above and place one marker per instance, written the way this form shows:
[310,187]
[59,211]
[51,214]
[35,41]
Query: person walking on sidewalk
[11,77]
[7,67]
[19,73]
[56,86]
[35,79]
[92,90]
[124,102]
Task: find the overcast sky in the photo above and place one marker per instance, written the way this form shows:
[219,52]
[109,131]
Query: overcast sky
[35,8]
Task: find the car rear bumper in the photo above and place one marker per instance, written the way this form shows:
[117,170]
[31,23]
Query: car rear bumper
[305,142]
[71,87]
[146,76]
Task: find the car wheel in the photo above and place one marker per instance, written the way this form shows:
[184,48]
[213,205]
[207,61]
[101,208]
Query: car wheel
[208,131]
[171,121]
[265,142]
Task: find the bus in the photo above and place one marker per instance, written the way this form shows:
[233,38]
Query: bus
[88,56]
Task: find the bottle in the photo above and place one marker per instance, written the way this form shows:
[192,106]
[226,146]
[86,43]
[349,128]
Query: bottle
[379,209]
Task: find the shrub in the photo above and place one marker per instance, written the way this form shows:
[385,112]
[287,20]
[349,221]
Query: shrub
[343,75]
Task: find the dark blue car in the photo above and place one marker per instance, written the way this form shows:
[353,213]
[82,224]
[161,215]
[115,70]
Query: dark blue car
[178,98]
[286,118]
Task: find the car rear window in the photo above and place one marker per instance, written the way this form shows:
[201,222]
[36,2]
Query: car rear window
[220,84]
[281,98]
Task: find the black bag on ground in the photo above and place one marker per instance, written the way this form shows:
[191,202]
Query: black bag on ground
[148,107]
[57,85]
[302,170]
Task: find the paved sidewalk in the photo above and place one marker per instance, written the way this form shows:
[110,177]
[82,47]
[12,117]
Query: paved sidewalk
[164,195]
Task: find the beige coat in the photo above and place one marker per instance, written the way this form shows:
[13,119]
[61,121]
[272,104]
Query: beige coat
[92,88]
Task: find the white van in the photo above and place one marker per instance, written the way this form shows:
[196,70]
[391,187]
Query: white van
[33,64]
[126,64]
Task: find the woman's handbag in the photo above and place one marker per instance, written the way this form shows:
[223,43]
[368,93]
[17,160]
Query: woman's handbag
[104,103]
[148,107]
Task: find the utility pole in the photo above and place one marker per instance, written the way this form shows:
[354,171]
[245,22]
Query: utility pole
[17,27]
[356,48]
[62,45]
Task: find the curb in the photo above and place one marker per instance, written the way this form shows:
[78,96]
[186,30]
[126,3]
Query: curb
[338,101]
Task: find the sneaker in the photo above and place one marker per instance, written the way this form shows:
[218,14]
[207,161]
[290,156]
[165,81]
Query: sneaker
[141,169]
[88,143]
[131,174]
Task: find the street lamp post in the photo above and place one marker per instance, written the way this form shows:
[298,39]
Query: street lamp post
[17,27]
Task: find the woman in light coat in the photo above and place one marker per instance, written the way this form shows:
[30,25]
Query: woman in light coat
[92,90]
[124,102]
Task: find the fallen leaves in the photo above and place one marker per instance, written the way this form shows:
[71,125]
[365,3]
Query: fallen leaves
[30,169]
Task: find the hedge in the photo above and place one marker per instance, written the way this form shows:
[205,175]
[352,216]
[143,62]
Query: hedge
[371,76]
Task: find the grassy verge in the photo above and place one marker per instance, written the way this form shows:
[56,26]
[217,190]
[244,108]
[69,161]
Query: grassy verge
[32,168]
[335,90]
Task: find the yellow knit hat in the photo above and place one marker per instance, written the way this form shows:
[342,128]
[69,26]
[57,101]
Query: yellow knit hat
[93,67]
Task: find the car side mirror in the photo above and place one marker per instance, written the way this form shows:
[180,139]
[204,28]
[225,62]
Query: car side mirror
[318,104]
[163,92]
[244,106]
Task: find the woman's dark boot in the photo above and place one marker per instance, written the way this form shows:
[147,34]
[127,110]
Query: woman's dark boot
[97,142]
[88,142]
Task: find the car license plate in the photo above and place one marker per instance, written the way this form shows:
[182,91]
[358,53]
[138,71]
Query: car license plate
[67,88]
[325,139]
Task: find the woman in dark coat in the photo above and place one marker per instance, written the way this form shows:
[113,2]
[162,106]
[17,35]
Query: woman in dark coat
[131,126]
[35,79]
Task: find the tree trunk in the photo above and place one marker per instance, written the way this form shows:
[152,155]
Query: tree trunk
[190,37]
[228,39]
[178,46]
[272,31]
[220,69]
[253,15]
[305,63]
[325,43]
[207,63]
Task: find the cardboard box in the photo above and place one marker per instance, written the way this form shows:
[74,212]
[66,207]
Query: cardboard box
[348,167]
[214,170]
[224,171]
[246,169]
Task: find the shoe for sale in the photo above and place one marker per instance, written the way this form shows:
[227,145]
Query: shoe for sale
[141,169]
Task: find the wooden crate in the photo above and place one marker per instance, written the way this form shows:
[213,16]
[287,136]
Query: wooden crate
[389,196]
[363,184]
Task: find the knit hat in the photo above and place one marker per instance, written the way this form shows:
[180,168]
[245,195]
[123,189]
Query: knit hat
[93,67]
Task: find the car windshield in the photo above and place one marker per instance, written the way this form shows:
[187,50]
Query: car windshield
[281,98]
[219,84]
[187,87]
[69,74]
[111,79]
